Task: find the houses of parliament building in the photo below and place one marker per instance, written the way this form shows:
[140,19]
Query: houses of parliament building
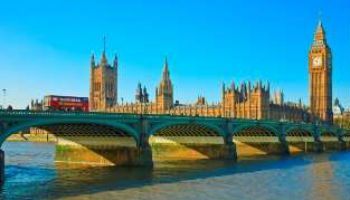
[246,100]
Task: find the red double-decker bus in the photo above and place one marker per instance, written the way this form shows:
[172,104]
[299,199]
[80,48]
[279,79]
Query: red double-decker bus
[66,103]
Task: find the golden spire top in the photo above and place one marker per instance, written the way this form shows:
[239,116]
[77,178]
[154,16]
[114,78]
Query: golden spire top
[320,35]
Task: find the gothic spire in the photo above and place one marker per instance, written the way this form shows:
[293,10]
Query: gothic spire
[320,27]
[320,34]
[165,70]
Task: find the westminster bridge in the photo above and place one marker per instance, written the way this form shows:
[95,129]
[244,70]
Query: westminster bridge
[134,139]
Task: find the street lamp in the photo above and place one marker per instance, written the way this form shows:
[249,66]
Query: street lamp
[141,111]
[4,98]
[142,100]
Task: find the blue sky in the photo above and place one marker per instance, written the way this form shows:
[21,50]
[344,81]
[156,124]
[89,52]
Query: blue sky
[45,46]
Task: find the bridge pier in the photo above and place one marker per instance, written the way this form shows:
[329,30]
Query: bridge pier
[108,150]
[231,147]
[342,142]
[145,152]
[284,144]
[318,145]
[333,143]
[2,167]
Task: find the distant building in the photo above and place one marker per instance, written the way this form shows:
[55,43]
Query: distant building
[247,100]
[36,105]
[141,95]
[201,101]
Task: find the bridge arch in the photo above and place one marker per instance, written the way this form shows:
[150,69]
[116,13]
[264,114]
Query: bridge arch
[328,133]
[255,130]
[188,140]
[15,128]
[298,131]
[194,129]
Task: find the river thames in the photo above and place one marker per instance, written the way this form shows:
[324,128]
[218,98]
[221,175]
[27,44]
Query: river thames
[31,173]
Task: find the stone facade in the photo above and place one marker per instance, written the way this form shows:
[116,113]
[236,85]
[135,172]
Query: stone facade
[246,101]
[103,84]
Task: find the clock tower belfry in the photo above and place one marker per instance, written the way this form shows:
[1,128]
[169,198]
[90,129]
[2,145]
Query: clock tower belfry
[320,77]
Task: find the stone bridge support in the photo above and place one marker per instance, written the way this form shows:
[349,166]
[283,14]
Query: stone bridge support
[283,139]
[342,142]
[145,157]
[283,144]
[229,140]
[2,166]
[318,144]
[97,150]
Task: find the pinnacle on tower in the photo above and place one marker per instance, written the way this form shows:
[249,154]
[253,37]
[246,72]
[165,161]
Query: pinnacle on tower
[115,63]
[319,26]
[233,86]
[165,70]
[92,61]
[104,59]
[320,34]
[223,88]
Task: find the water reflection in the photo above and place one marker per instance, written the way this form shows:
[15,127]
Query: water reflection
[32,174]
[322,178]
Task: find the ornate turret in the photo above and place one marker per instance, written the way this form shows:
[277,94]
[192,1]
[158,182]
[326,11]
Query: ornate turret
[138,94]
[103,83]
[92,60]
[145,95]
[115,62]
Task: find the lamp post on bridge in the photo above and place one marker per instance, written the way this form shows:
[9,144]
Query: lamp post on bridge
[4,98]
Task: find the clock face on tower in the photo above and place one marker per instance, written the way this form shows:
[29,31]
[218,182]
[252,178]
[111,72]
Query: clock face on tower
[317,61]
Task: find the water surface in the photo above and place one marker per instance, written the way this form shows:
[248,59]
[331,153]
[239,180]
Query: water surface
[31,173]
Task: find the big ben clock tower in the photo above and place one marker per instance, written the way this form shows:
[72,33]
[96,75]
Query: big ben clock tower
[320,77]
